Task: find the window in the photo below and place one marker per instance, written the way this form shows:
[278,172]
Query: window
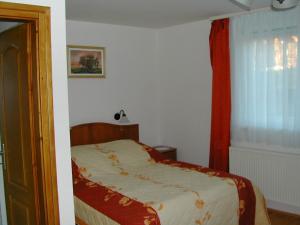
[291,53]
[266,80]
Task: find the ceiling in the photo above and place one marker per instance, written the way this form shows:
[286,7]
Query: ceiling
[151,13]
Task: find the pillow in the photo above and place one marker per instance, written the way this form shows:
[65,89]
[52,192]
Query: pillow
[109,157]
[126,152]
[92,161]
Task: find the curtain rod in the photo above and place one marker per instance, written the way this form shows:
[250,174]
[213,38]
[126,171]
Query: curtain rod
[238,14]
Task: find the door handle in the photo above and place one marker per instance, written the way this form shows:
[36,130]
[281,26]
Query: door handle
[2,149]
[3,156]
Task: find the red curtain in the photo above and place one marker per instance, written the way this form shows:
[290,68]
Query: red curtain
[221,95]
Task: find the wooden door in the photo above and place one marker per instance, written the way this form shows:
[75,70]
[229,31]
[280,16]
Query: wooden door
[17,125]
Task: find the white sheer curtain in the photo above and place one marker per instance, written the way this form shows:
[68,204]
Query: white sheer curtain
[265,75]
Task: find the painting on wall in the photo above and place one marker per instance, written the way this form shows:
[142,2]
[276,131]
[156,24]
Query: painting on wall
[86,61]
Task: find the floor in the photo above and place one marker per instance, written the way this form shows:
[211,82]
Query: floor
[279,218]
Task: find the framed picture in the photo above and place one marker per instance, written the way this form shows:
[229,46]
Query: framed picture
[86,61]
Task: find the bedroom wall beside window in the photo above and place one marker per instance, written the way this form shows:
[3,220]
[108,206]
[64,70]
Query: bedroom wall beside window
[185,89]
[161,77]
[131,77]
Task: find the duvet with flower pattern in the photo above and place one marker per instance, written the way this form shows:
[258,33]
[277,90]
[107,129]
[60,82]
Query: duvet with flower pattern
[127,183]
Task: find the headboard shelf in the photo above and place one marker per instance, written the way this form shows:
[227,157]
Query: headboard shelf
[92,133]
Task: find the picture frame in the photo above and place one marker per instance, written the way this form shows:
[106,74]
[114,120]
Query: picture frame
[86,61]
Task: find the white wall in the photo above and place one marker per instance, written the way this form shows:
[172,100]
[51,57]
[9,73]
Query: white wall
[60,97]
[162,78]
[131,82]
[3,217]
[185,90]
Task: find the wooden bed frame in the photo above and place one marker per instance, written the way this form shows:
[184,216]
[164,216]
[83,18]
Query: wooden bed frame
[93,133]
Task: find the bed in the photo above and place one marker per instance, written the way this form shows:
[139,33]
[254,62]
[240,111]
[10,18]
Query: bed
[119,181]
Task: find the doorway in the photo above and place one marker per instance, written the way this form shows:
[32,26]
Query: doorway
[26,117]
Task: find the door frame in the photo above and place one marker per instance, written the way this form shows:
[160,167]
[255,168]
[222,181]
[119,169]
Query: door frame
[39,16]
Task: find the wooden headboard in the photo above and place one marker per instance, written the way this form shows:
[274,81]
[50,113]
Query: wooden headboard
[92,133]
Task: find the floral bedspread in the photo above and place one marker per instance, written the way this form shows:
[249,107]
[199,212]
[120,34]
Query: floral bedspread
[128,183]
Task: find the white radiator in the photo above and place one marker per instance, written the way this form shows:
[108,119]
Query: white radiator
[276,174]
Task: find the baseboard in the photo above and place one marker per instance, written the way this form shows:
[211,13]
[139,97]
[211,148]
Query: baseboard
[283,207]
